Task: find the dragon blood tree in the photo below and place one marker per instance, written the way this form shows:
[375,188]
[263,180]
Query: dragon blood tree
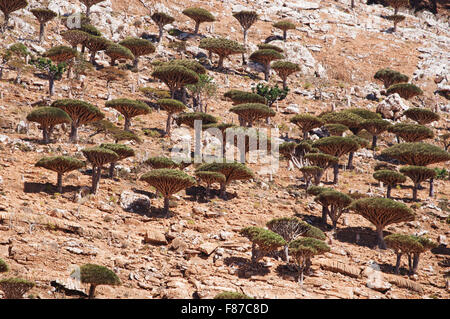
[60,165]
[411,246]
[306,123]
[53,72]
[88,4]
[242,97]
[168,182]
[263,241]
[246,19]
[335,204]
[210,178]
[232,172]
[112,74]
[95,44]
[390,178]
[362,143]
[265,57]
[419,174]
[96,275]
[122,151]
[172,107]
[397,4]
[129,109]
[335,129]
[445,140]
[267,46]
[48,117]
[349,119]
[43,16]
[175,76]
[75,37]
[161,19]
[118,52]
[382,212]
[336,146]
[189,119]
[302,250]
[231,295]
[199,15]
[291,228]
[285,69]
[321,160]
[8,7]
[310,173]
[159,162]
[80,112]
[98,157]
[390,77]
[405,90]
[138,47]
[284,26]
[222,47]
[411,132]
[15,288]
[62,55]
[375,127]
[421,115]
[251,112]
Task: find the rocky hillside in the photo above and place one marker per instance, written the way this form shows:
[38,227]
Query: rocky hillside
[198,250]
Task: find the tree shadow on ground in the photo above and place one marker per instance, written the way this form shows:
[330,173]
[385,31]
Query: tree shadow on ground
[198,193]
[390,269]
[48,188]
[273,37]
[315,221]
[288,271]
[441,250]
[247,269]
[154,132]
[367,236]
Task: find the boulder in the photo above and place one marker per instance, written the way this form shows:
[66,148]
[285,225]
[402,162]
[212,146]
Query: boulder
[392,107]
[135,203]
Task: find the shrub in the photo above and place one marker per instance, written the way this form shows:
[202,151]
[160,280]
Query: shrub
[242,97]
[161,19]
[98,157]
[116,52]
[382,212]
[48,117]
[410,245]
[175,76]
[405,90]
[418,174]
[202,91]
[8,7]
[263,241]
[421,116]
[251,112]
[306,123]
[89,4]
[232,172]
[222,47]
[3,266]
[122,151]
[284,26]
[390,77]
[411,132]
[171,106]
[375,127]
[336,146]
[54,72]
[129,109]
[210,178]
[265,57]
[231,295]
[246,20]
[60,165]
[96,275]
[390,178]
[80,112]
[15,288]
[419,154]
[199,15]
[189,118]
[168,182]
[271,94]
[43,16]
[303,249]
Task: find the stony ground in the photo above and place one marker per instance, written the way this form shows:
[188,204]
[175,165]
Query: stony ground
[197,252]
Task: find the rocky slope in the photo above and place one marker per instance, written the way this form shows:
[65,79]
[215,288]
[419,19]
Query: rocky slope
[198,252]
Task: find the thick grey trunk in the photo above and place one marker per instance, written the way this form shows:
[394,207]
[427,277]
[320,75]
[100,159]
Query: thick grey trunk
[59,183]
[166,206]
[397,264]
[41,32]
[380,238]
[336,173]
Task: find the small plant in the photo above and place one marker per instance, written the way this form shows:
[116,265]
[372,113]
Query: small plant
[271,94]
[441,173]
[3,266]
[96,275]
[231,295]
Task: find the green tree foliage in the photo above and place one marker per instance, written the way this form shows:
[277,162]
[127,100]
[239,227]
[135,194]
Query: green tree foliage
[267,46]
[306,123]
[75,37]
[375,127]
[15,57]
[411,132]
[60,165]
[158,162]
[222,47]
[43,16]
[321,160]
[118,52]
[168,182]
[95,44]
[246,19]
[175,76]
[15,288]
[129,109]
[284,25]
[421,115]
[265,57]
[138,47]
[405,90]
[336,129]
[48,117]
[171,106]
[349,119]
[390,77]
[382,212]
[285,69]
[189,119]
[242,97]
[270,93]
[418,174]
[199,15]
[8,7]
[161,19]
[390,178]
[252,112]
[335,203]
[60,54]
[263,241]
[210,178]
[202,91]
[80,112]
[96,275]
[98,157]
[122,151]
[53,72]
[419,154]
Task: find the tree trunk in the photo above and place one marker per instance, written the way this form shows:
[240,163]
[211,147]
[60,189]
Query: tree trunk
[197,26]
[59,183]
[381,243]
[284,82]
[431,193]
[388,192]
[45,135]
[127,124]
[92,291]
[397,265]
[220,63]
[136,62]
[73,137]
[244,62]
[93,57]
[410,263]
[51,86]
[168,123]
[395,27]
[324,214]
[415,264]
[112,166]
[41,32]
[267,73]
[284,35]
[88,12]
[255,256]
[414,194]
[300,277]
[5,24]
[374,142]
[336,173]
[161,30]
[223,191]
[305,135]
[286,253]
[166,206]
[350,161]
